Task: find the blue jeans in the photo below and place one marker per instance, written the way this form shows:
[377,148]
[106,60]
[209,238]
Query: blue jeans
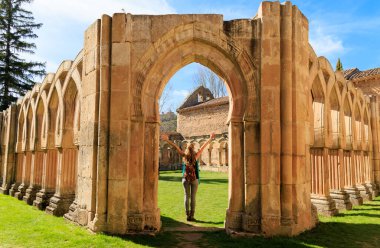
[190,189]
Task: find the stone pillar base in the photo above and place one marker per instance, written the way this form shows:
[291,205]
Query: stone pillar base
[324,204]
[373,190]
[77,214]
[30,195]
[234,221]
[13,189]
[271,225]
[4,189]
[355,197]
[152,221]
[98,224]
[59,204]
[341,199]
[251,223]
[42,199]
[21,191]
[364,192]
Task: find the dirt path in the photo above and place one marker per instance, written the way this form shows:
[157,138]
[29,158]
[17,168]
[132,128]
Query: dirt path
[190,235]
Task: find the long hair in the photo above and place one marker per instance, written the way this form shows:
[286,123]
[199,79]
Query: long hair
[190,155]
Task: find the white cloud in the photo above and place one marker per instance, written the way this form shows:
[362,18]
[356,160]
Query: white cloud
[182,93]
[89,10]
[65,21]
[324,42]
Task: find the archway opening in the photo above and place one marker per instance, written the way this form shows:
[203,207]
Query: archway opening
[193,104]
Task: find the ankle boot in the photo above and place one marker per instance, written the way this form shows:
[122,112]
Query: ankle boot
[188,215]
[192,216]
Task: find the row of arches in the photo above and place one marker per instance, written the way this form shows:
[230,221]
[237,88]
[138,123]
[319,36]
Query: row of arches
[46,140]
[341,140]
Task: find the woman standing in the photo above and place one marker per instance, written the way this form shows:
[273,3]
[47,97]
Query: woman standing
[190,173]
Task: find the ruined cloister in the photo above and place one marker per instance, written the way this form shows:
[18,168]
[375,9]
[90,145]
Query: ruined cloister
[84,143]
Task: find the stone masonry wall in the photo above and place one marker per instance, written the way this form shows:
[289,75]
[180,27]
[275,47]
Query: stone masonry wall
[203,121]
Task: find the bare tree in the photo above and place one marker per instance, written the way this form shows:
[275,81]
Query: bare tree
[164,99]
[207,78]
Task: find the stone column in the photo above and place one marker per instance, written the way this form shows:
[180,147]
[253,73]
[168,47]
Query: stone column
[236,189]
[30,193]
[350,185]
[374,122]
[368,174]
[252,215]
[26,171]
[9,159]
[66,182]
[286,116]
[337,193]
[48,181]
[84,208]
[19,157]
[135,221]
[284,95]
[270,129]
[359,171]
[320,196]
[151,212]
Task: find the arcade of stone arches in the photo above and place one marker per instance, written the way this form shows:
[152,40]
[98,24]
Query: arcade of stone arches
[40,153]
[61,144]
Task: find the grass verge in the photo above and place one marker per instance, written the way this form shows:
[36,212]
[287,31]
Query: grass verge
[23,226]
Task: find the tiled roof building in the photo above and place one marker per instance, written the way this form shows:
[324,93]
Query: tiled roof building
[368,81]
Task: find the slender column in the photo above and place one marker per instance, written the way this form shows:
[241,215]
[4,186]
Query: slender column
[135,170]
[31,191]
[252,215]
[286,115]
[320,197]
[374,173]
[350,185]
[65,185]
[360,182]
[151,212]
[18,176]
[41,198]
[26,169]
[8,156]
[236,189]
[49,166]
[337,192]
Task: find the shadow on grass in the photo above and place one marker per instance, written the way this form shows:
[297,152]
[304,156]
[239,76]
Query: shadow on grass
[159,240]
[358,214]
[170,178]
[169,222]
[209,222]
[214,181]
[331,234]
[365,209]
[164,177]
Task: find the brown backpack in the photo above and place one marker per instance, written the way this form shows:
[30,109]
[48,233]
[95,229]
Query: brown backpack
[190,173]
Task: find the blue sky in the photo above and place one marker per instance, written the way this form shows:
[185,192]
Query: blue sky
[345,29]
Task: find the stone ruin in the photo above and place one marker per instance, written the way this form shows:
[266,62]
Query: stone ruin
[84,143]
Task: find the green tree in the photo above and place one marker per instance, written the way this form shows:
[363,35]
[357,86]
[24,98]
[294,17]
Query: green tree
[16,33]
[339,66]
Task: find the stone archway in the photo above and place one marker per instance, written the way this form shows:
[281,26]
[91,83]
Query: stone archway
[127,60]
[166,65]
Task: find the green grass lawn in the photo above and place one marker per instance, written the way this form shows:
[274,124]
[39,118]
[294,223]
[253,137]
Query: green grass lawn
[212,197]
[23,226]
